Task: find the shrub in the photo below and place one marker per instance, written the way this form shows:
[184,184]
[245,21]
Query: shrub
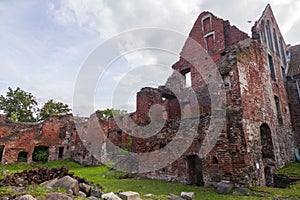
[40,154]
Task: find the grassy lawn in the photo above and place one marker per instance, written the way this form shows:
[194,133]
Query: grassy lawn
[110,182]
[291,169]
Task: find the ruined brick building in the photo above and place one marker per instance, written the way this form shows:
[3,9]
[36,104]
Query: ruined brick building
[56,135]
[258,135]
[293,87]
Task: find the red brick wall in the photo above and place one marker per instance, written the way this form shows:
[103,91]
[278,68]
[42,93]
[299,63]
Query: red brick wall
[18,137]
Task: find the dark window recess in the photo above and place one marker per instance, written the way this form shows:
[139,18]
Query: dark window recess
[263,31]
[209,42]
[22,156]
[41,154]
[270,41]
[266,142]
[62,132]
[278,108]
[1,152]
[215,160]
[276,42]
[282,50]
[272,69]
[187,81]
[194,170]
[206,26]
[283,73]
[60,152]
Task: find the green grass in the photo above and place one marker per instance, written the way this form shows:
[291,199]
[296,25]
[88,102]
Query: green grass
[291,169]
[110,182]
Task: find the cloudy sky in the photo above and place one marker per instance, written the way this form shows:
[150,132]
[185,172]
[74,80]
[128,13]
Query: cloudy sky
[44,44]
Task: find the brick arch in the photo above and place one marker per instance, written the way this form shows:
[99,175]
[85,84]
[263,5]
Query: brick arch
[41,150]
[266,142]
[22,156]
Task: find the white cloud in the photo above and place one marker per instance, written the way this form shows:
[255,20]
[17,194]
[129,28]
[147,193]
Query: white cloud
[45,43]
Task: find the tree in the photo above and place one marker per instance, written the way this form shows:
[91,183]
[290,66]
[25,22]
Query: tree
[108,113]
[52,108]
[19,105]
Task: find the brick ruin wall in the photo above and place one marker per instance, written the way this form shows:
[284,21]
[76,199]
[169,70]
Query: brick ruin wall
[57,133]
[293,88]
[293,85]
[256,139]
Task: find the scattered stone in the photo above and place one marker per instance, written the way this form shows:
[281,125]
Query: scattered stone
[16,189]
[216,178]
[174,197]
[129,195]
[92,198]
[49,183]
[242,191]
[70,192]
[110,196]
[148,195]
[224,188]
[187,195]
[235,194]
[85,188]
[26,197]
[81,194]
[67,183]
[96,193]
[58,196]
[34,176]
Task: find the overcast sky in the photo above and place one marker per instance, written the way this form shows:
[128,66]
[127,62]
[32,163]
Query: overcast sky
[43,44]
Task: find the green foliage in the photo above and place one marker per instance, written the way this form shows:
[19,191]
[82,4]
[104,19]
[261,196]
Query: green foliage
[1,148]
[22,157]
[129,143]
[5,191]
[19,105]
[51,108]
[40,154]
[109,113]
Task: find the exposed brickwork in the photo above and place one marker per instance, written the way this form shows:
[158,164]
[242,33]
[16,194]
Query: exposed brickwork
[255,140]
[257,137]
[293,87]
[58,133]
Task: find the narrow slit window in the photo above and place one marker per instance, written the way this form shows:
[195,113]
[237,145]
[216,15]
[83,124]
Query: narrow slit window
[276,42]
[206,25]
[187,81]
[283,73]
[278,108]
[270,40]
[263,31]
[272,69]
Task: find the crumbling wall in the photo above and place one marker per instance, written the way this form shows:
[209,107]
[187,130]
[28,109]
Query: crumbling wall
[293,88]
[254,125]
[58,133]
[259,107]
[55,132]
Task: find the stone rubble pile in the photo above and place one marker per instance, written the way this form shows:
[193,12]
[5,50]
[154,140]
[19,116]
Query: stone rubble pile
[34,176]
[60,178]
